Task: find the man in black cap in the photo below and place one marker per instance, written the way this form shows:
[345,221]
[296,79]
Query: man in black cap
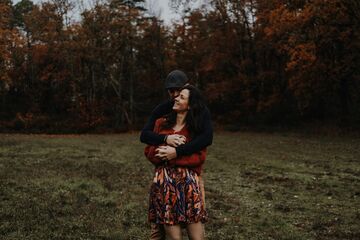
[176,145]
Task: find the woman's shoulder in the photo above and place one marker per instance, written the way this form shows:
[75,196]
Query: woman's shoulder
[159,121]
[158,126]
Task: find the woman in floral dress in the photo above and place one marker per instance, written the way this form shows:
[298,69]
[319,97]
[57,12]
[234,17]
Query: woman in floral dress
[176,199]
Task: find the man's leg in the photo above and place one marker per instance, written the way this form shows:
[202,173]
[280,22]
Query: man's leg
[157,232]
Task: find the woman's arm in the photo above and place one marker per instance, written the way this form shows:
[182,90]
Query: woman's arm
[150,150]
[150,155]
[193,160]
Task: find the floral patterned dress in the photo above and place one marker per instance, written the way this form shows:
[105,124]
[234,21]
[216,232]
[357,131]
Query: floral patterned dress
[175,193]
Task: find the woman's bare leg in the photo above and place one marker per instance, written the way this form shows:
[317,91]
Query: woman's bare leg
[195,231]
[202,189]
[173,232]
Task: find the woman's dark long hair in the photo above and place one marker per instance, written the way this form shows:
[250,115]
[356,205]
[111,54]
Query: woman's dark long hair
[194,117]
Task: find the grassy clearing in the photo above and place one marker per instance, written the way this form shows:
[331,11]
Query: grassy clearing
[258,186]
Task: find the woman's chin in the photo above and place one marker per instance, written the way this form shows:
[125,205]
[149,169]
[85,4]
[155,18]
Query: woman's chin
[177,110]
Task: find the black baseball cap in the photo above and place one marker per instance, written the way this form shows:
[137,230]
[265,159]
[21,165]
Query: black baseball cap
[176,79]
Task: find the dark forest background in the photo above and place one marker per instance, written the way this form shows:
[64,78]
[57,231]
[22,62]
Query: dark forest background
[259,62]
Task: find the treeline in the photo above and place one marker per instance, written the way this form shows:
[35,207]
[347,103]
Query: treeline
[257,62]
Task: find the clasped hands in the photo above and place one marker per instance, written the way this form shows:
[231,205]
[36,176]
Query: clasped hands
[168,152]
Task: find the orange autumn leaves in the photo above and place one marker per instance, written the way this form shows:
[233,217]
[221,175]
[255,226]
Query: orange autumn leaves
[257,61]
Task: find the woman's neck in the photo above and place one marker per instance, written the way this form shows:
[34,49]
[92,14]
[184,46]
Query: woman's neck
[180,120]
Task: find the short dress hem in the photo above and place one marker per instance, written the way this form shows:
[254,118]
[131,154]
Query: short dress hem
[175,197]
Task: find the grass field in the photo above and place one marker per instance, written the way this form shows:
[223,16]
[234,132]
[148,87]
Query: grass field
[258,186]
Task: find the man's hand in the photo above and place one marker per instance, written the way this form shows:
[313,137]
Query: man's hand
[175,140]
[166,153]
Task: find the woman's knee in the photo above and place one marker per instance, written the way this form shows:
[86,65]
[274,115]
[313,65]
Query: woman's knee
[195,231]
[173,232]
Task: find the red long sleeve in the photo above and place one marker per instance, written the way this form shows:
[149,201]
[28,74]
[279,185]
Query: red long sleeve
[150,149]
[193,161]
[150,155]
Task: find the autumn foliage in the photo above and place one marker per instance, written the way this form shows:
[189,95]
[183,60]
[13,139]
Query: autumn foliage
[257,62]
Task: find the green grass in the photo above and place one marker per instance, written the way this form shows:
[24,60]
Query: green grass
[258,186]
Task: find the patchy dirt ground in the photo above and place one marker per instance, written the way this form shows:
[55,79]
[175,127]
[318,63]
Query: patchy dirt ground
[258,186]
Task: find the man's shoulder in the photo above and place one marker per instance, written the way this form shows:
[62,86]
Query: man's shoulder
[164,103]
[164,106]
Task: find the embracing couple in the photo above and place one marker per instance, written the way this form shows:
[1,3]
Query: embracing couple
[177,134]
